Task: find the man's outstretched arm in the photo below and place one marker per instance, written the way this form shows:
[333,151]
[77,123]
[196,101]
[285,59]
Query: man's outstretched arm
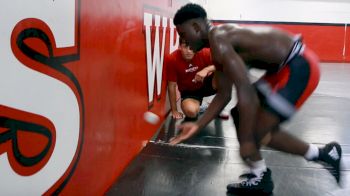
[172,99]
[235,69]
[222,97]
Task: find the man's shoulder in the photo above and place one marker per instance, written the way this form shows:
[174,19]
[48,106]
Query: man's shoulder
[223,31]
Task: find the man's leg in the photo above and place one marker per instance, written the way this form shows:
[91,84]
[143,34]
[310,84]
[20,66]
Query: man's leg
[284,103]
[209,89]
[283,93]
[280,94]
[258,181]
[329,155]
[268,132]
[190,108]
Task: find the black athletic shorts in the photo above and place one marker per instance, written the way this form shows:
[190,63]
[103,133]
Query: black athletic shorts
[205,91]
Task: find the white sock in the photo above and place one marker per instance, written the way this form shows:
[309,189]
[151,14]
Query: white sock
[312,152]
[258,167]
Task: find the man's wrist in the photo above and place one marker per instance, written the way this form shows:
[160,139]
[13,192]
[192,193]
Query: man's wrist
[199,125]
[206,70]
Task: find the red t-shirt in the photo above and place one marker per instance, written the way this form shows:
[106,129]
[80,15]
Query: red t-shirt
[182,72]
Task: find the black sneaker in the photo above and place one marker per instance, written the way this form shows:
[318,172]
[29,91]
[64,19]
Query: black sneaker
[253,185]
[330,156]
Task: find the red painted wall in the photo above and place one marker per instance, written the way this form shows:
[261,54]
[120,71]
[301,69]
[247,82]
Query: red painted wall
[113,73]
[326,40]
[104,71]
[347,44]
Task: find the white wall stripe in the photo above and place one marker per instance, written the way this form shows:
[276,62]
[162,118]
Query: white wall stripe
[344,48]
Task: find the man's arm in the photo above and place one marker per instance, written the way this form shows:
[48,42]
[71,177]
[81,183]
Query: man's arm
[172,78]
[234,72]
[235,69]
[207,71]
[210,69]
[172,100]
[221,99]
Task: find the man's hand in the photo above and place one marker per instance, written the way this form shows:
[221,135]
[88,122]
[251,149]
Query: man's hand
[187,131]
[177,115]
[200,75]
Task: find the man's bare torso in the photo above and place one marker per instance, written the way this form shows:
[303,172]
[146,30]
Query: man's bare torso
[260,47]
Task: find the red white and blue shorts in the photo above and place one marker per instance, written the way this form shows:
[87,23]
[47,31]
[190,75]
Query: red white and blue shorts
[285,91]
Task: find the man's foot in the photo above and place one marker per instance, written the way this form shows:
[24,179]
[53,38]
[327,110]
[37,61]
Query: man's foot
[330,156]
[252,184]
[224,115]
[203,107]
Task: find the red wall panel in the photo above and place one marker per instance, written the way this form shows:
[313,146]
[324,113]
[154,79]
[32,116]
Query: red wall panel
[113,73]
[327,40]
[347,44]
[105,74]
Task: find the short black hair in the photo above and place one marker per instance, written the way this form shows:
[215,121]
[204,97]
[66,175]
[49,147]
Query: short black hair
[182,40]
[188,12]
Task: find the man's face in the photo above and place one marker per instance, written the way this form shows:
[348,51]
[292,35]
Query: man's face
[192,36]
[186,52]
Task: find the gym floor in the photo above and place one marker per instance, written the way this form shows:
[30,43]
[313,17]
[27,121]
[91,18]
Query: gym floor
[207,163]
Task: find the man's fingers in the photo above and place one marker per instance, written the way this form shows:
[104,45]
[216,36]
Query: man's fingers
[180,115]
[197,78]
[180,127]
[175,140]
[177,115]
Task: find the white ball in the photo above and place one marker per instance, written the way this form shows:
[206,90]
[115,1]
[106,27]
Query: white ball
[151,117]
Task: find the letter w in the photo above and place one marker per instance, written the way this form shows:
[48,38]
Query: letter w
[155,65]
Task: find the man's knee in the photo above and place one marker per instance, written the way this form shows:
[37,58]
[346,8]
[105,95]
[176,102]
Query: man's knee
[190,113]
[190,108]
[266,139]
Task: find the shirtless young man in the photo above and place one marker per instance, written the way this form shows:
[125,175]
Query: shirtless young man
[292,74]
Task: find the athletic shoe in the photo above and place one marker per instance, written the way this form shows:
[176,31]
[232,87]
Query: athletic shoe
[330,156]
[203,107]
[224,115]
[252,184]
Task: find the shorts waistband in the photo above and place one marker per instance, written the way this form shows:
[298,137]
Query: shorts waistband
[298,48]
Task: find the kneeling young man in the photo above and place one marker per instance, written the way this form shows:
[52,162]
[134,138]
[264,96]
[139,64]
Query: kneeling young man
[193,74]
